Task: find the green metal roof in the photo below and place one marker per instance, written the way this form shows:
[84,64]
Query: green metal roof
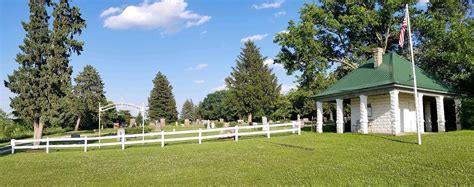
[394,70]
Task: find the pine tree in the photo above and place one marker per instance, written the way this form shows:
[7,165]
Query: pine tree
[188,111]
[88,92]
[161,102]
[253,88]
[42,82]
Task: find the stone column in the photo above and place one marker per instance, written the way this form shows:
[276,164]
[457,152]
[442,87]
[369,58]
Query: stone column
[421,119]
[319,117]
[427,111]
[339,116]
[394,112]
[364,120]
[457,108]
[440,112]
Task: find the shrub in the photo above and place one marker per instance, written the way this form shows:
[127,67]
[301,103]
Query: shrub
[137,130]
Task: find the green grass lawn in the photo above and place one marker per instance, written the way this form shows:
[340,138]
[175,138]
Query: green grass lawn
[325,159]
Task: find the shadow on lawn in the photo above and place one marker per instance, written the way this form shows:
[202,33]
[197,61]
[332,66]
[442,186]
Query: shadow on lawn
[391,139]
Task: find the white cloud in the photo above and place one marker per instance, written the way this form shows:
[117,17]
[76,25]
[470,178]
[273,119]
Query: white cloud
[271,63]
[275,4]
[197,67]
[204,32]
[199,81]
[278,14]
[221,87]
[423,1]
[167,15]
[286,88]
[110,11]
[256,37]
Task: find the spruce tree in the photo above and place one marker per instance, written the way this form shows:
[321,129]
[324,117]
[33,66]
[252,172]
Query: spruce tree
[253,88]
[42,81]
[188,111]
[88,92]
[161,102]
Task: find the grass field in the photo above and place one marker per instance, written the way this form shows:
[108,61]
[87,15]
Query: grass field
[325,159]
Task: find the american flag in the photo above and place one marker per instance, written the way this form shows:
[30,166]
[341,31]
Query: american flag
[401,40]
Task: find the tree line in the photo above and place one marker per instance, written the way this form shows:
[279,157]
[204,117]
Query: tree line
[329,40]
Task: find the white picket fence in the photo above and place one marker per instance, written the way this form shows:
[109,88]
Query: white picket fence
[161,137]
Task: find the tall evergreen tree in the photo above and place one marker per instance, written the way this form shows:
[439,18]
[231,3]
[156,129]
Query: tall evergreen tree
[88,92]
[188,111]
[42,81]
[161,102]
[253,87]
[30,101]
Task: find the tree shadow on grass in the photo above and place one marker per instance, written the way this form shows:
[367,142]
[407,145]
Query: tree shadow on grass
[391,139]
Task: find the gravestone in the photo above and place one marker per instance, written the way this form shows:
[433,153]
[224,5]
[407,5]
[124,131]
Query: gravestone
[305,120]
[249,119]
[208,123]
[298,117]
[162,123]
[265,123]
[186,122]
[229,132]
[133,123]
[213,125]
[116,125]
[120,132]
[221,120]
[157,126]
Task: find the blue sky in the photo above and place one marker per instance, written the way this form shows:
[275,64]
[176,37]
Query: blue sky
[194,43]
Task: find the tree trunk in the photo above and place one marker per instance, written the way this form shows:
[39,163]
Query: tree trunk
[76,128]
[38,130]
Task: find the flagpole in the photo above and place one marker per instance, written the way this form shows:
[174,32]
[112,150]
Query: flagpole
[418,126]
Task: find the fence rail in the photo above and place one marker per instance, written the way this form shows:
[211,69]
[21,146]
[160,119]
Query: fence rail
[86,142]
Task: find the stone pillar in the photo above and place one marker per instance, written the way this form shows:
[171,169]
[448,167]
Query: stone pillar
[421,119]
[457,108]
[427,111]
[249,119]
[364,120]
[339,116]
[440,112]
[394,112]
[319,117]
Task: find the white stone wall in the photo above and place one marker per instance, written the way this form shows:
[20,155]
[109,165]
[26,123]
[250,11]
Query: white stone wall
[379,122]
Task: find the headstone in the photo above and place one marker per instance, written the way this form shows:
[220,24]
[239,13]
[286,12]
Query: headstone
[265,123]
[132,123]
[162,122]
[298,117]
[213,125]
[176,123]
[186,122]
[120,132]
[305,120]
[230,132]
[240,121]
[116,125]
[208,123]
[249,119]
[221,120]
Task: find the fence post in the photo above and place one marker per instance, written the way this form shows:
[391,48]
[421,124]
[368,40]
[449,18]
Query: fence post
[47,144]
[299,128]
[12,144]
[123,140]
[236,133]
[268,131]
[162,138]
[200,134]
[85,144]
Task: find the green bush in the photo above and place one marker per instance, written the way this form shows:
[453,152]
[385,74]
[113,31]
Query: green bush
[137,130]
[219,124]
